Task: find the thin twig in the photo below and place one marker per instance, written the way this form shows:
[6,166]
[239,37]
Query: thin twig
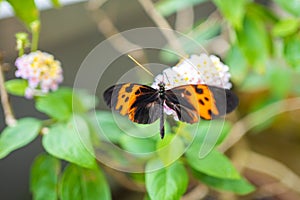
[198,192]
[274,169]
[8,113]
[108,29]
[124,180]
[184,19]
[162,23]
[243,158]
[271,190]
[241,127]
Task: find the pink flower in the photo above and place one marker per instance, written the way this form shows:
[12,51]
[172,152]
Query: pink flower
[42,72]
[29,93]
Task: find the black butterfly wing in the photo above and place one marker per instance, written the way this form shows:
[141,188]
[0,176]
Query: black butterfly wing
[193,101]
[139,102]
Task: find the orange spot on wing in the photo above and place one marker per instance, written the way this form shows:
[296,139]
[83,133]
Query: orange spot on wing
[206,102]
[126,97]
[201,98]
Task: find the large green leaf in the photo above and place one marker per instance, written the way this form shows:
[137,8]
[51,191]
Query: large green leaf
[57,105]
[292,6]
[214,164]
[232,10]
[168,7]
[83,101]
[137,145]
[210,133]
[62,103]
[12,138]
[25,10]
[71,142]
[16,86]
[170,148]
[238,186]
[112,126]
[168,183]
[108,126]
[81,183]
[44,177]
[254,42]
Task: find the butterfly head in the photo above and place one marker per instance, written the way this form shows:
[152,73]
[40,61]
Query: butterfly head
[161,86]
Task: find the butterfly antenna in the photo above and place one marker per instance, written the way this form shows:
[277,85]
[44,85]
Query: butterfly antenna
[140,65]
[166,77]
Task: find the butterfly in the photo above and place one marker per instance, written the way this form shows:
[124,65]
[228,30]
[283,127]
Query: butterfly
[144,104]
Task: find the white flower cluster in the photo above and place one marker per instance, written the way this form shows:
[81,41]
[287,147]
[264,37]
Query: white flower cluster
[201,69]
[41,70]
[198,69]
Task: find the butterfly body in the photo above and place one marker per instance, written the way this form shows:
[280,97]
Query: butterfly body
[144,104]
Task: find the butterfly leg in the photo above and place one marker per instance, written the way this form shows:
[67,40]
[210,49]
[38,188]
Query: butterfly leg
[162,124]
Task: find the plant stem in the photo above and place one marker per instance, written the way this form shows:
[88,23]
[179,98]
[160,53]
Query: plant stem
[9,117]
[162,23]
[35,29]
[21,52]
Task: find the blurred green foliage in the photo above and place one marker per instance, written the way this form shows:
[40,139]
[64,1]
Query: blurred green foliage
[263,42]
[263,55]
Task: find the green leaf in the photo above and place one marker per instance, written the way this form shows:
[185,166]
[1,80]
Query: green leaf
[57,105]
[44,177]
[292,51]
[71,142]
[291,6]
[108,126]
[168,7]
[62,103]
[214,164]
[112,126]
[170,148]
[238,186]
[12,138]
[232,10]
[237,63]
[146,197]
[83,101]
[16,86]
[168,183]
[137,145]
[139,178]
[80,183]
[204,133]
[26,11]
[254,42]
[285,27]
[264,13]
